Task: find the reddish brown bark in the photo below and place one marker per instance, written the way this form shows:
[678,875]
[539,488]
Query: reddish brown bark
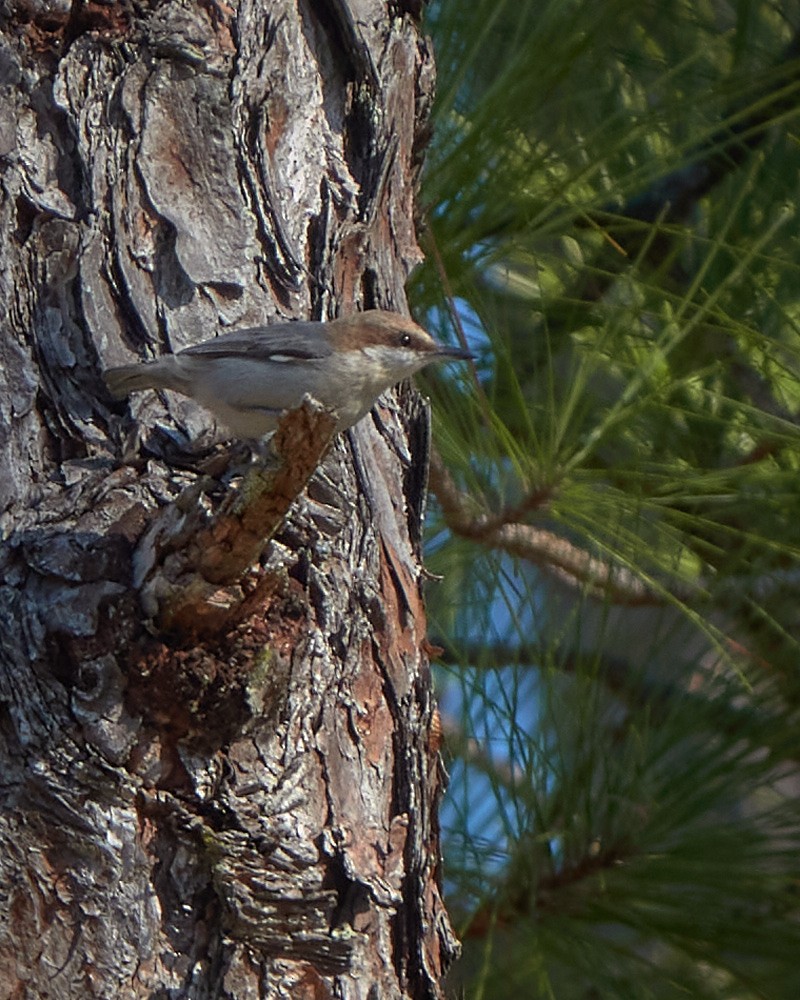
[243,804]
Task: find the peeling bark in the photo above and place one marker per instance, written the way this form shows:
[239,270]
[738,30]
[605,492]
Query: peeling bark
[217,774]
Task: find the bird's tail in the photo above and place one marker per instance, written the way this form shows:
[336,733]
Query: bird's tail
[125,379]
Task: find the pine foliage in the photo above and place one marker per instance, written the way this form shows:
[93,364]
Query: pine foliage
[611,209]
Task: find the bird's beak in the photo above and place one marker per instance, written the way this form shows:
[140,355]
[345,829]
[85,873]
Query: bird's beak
[453,354]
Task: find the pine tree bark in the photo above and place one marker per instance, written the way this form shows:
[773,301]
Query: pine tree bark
[215,784]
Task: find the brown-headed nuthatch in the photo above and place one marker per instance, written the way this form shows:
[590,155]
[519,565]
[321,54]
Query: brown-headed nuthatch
[248,378]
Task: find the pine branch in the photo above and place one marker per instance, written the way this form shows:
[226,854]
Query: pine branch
[571,564]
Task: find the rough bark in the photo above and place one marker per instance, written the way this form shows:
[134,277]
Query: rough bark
[236,799]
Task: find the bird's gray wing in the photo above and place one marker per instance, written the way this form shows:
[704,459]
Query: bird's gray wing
[300,339]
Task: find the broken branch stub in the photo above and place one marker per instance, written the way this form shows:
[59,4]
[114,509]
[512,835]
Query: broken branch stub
[190,562]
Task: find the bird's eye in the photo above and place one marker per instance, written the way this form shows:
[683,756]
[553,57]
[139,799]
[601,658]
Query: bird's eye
[405,340]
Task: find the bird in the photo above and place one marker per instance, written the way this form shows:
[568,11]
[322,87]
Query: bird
[248,378]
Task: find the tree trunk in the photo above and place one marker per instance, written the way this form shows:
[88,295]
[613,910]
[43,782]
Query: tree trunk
[216,783]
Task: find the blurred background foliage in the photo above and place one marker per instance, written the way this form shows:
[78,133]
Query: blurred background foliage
[610,211]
